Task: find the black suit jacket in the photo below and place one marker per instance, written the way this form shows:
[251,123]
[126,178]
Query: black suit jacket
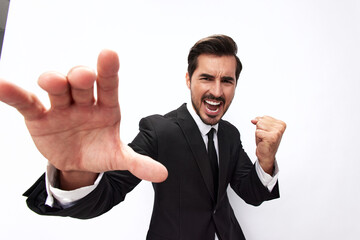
[184,206]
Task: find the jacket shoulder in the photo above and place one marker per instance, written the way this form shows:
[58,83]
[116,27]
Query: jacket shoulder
[229,129]
[157,119]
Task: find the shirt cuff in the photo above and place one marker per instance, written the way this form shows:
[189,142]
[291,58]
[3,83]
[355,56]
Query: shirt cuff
[65,198]
[266,179]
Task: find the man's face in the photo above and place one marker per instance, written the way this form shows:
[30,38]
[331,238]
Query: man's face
[212,86]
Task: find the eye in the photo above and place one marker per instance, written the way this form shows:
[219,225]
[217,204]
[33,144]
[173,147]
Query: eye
[206,78]
[229,81]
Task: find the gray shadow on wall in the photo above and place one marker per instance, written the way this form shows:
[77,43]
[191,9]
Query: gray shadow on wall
[4,8]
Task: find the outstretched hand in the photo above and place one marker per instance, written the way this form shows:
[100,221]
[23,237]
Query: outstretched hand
[80,134]
[268,135]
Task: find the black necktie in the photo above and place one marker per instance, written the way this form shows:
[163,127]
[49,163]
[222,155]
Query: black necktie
[213,160]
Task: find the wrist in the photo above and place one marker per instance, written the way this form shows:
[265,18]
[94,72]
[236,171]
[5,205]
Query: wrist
[267,165]
[70,180]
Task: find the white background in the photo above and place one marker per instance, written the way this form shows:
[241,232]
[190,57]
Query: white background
[300,65]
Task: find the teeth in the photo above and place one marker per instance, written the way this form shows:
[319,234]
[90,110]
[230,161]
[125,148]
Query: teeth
[212,103]
[213,111]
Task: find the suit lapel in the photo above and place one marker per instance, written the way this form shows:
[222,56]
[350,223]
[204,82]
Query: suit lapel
[197,146]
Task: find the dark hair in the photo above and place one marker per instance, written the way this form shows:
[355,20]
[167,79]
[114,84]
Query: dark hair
[219,45]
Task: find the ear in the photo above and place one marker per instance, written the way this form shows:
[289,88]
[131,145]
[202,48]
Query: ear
[188,81]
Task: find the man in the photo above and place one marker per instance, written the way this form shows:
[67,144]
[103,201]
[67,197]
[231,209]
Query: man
[197,153]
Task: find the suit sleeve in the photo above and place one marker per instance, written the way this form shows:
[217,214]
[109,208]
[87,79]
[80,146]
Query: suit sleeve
[246,183]
[146,141]
[111,190]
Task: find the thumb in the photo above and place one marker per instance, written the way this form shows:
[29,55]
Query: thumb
[255,120]
[146,168]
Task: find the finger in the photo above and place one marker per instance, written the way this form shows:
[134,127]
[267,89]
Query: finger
[108,79]
[260,134]
[271,124]
[58,88]
[81,80]
[264,123]
[25,102]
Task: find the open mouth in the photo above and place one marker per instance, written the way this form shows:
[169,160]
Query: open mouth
[212,106]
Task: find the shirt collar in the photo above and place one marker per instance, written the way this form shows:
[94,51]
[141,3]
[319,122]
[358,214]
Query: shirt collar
[204,128]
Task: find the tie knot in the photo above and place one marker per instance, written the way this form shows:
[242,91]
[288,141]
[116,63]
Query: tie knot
[211,133]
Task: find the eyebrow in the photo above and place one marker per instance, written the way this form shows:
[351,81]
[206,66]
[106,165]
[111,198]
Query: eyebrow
[206,75]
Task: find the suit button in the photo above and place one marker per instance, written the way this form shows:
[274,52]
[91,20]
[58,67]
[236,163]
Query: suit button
[214,211]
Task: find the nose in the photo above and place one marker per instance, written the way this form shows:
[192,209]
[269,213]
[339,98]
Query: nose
[216,88]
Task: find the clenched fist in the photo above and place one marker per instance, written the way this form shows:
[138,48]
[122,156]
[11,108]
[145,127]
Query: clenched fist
[268,135]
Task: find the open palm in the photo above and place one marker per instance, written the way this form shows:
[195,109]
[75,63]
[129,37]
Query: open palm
[80,133]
